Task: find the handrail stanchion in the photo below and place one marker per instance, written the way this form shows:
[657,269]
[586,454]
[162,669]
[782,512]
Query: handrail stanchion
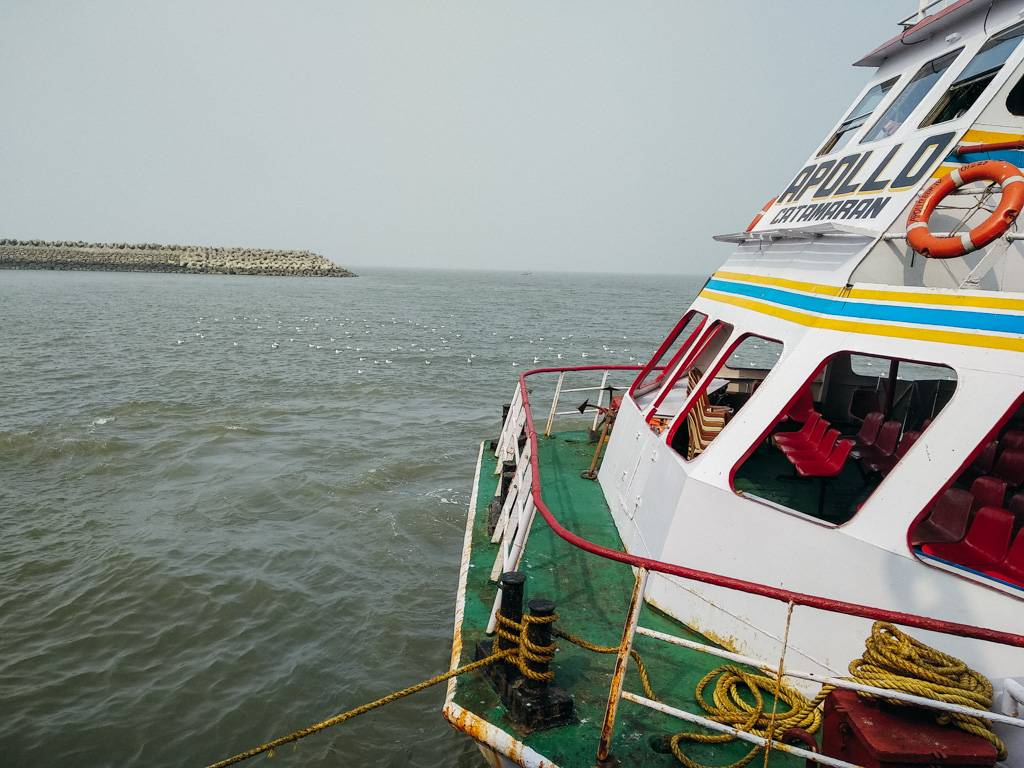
[554,404]
[600,399]
[619,676]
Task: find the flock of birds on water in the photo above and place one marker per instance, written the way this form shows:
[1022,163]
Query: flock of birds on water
[352,338]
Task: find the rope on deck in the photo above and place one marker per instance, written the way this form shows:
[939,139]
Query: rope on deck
[891,659]
[270,746]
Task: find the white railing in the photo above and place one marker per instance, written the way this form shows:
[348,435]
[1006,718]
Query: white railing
[559,391]
[924,10]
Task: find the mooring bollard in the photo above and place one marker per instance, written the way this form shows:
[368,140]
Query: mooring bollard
[539,634]
[512,584]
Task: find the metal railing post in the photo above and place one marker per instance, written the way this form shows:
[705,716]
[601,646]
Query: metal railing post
[554,404]
[619,676]
[600,400]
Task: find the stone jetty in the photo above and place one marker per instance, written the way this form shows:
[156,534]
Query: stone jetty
[150,257]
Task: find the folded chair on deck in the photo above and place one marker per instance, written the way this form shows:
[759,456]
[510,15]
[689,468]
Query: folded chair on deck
[704,421]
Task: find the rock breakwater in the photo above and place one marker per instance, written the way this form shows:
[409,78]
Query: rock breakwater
[150,257]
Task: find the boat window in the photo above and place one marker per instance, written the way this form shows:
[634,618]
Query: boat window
[673,390]
[682,336]
[970,84]
[1015,99]
[912,95]
[841,433]
[974,526]
[717,394]
[857,117]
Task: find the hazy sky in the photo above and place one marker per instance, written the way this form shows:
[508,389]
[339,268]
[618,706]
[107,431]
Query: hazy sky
[537,134]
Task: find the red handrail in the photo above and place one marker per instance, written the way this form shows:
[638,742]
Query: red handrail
[774,593]
[977,149]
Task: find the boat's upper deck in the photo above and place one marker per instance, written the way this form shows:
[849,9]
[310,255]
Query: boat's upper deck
[946,92]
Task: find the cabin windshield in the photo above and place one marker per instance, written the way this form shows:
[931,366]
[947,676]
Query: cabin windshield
[667,357]
[971,83]
[912,95]
[842,433]
[857,117]
[716,394]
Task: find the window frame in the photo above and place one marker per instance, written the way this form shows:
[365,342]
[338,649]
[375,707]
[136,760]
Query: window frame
[945,61]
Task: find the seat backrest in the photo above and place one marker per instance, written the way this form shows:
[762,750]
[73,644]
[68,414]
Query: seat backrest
[908,440]
[869,429]
[990,532]
[802,409]
[837,456]
[1013,439]
[1016,506]
[1010,467]
[983,462]
[888,436]
[948,519]
[988,491]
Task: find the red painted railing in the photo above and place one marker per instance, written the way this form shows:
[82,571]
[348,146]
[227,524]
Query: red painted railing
[774,593]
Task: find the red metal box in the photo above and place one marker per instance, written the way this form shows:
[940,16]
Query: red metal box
[874,734]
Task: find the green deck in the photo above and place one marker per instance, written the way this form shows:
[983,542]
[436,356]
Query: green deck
[592,596]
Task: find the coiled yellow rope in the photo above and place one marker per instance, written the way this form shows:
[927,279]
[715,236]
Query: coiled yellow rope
[729,707]
[891,660]
[528,650]
[895,660]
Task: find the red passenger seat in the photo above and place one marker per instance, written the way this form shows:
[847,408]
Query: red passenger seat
[886,463]
[869,429]
[884,445]
[1010,467]
[1012,567]
[803,435]
[1012,440]
[984,461]
[824,466]
[803,408]
[820,450]
[1017,507]
[948,519]
[986,543]
[988,491]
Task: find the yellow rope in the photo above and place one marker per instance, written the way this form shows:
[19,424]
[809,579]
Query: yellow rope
[272,745]
[891,660]
[528,650]
[729,707]
[523,651]
[612,649]
[895,660]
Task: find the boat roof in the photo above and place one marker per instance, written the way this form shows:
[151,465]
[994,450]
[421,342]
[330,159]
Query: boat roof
[919,31]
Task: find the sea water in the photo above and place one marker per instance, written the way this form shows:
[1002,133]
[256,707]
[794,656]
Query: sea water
[233,507]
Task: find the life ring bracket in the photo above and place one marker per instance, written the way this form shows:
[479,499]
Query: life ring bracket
[1011,181]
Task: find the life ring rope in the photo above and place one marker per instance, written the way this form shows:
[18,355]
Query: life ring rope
[1011,181]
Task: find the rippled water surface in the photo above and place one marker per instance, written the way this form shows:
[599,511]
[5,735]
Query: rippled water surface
[233,507]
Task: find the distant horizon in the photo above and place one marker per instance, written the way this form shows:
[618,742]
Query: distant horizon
[355,267]
[553,135]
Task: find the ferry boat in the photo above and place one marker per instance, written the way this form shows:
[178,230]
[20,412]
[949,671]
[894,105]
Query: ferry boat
[816,483]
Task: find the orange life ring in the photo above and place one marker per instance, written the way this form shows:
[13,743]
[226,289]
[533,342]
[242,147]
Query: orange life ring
[1008,177]
[762,213]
